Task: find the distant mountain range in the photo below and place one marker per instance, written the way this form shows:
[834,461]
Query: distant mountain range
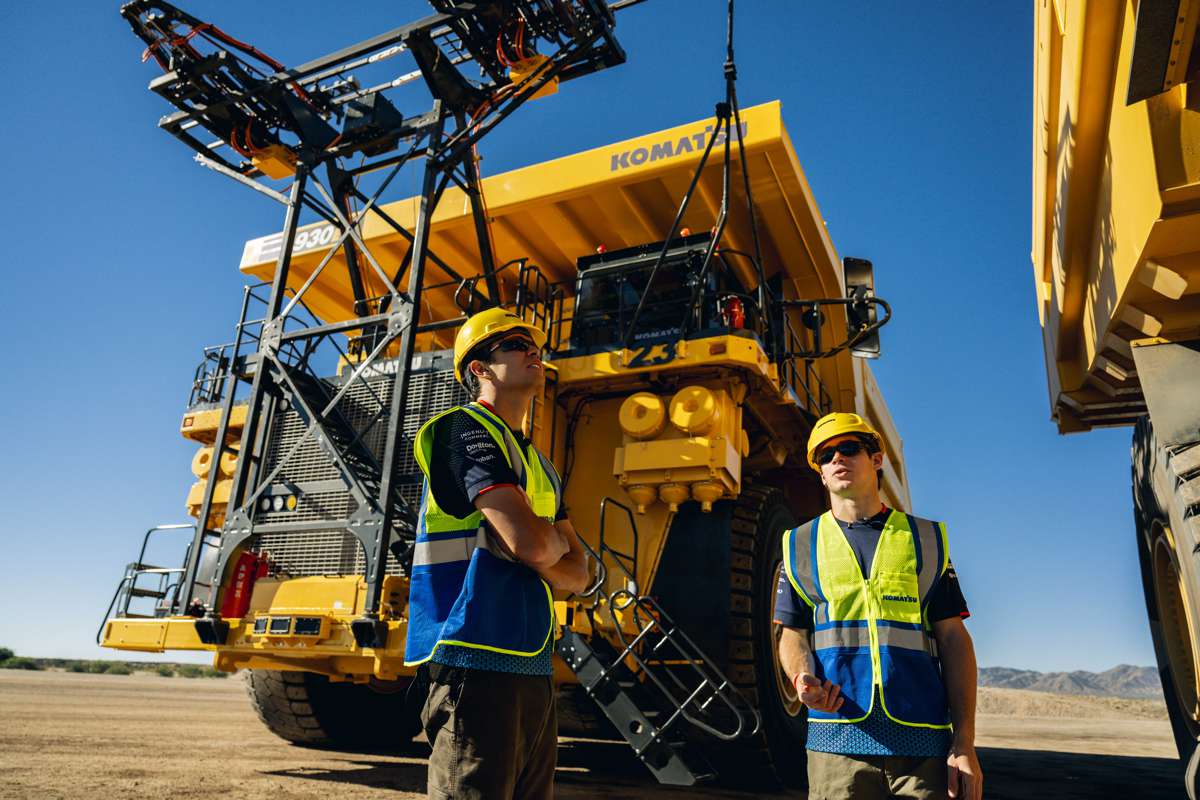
[1120,681]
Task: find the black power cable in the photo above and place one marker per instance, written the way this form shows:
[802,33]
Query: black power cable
[726,112]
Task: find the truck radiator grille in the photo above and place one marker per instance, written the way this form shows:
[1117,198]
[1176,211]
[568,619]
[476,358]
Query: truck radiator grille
[311,475]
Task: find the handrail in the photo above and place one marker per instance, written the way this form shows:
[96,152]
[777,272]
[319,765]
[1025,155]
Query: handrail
[631,570]
[652,620]
[175,526]
[710,674]
[133,571]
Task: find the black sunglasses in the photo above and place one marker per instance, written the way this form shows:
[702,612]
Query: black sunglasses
[848,448]
[515,344]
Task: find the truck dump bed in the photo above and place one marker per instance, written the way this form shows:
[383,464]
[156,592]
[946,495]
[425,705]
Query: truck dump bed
[1116,207]
[613,197]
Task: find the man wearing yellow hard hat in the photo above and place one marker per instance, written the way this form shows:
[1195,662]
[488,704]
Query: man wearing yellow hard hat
[492,540]
[873,636]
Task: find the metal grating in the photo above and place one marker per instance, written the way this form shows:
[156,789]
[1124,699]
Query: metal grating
[311,474]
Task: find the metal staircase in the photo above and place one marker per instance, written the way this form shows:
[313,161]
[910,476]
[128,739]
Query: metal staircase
[651,683]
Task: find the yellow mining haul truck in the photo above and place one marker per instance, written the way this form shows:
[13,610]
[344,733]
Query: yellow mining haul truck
[698,322]
[1116,257]
[683,455]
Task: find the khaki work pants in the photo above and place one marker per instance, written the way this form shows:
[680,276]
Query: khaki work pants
[837,777]
[494,735]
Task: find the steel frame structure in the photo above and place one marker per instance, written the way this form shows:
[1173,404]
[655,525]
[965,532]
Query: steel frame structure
[289,111]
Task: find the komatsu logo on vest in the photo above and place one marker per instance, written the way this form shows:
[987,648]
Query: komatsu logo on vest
[668,149]
[900,598]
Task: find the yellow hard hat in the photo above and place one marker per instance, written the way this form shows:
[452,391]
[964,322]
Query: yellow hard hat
[839,423]
[485,325]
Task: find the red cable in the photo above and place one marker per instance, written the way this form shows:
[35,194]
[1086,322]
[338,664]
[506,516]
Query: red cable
[249,49]
[234,144]
[175,41]
[250,142]
[261,56]
[500,49]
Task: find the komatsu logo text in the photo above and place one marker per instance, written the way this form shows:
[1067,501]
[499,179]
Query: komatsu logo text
[668,148]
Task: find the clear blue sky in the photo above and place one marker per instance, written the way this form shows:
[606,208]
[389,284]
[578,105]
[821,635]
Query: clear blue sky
[912,122]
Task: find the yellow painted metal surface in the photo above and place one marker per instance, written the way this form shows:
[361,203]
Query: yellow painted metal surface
[334,595]
[220,500]
[678,465]
[643,415]
[201,426]
[294,633]
[333,651]
[521,70]
[1116,210]
[697,457]
[275,161]
[153,635]
[145,635]
[686,439]
[591,478]
[869,403]
[725,351]
[620,195]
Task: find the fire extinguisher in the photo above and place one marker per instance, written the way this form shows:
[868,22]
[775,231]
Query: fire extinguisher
[732,312]
[249,568]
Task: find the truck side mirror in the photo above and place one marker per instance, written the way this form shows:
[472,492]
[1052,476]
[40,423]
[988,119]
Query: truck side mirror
[860,284]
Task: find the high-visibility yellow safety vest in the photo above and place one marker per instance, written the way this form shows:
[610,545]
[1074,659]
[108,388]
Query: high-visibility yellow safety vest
[873,630]
[465,590]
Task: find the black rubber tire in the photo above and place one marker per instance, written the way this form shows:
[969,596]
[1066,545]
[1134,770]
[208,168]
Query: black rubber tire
[1166,498]
[578,715]
[774,756]
[311,711]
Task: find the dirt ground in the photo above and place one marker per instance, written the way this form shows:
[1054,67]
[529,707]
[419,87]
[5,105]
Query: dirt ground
[66,735]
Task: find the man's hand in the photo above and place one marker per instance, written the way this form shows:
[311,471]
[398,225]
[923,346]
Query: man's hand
[818,696]
[570,573]
[531,539]
[964,778]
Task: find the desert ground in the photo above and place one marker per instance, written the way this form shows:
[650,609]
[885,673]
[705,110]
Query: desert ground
[66,735]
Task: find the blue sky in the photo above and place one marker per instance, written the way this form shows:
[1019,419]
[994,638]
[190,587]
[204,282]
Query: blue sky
[912,122]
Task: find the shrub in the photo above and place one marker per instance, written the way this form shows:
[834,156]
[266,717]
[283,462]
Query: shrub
[117,668]
[6,654]
[209,672]
[188,671]
[77,666]
[165,671]
[20,663]
[97,667]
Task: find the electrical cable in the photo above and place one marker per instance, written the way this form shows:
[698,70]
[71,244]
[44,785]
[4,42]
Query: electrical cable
[724,112]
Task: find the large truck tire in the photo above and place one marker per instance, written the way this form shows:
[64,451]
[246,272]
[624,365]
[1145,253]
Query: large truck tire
[1166,498]
[311,711]
[578,715]
[775,755]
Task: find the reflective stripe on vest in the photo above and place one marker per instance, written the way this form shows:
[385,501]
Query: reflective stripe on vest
[465,590]
[873,631]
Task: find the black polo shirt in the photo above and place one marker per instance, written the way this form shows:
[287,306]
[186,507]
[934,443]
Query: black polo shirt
[945,600]
[467,462]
